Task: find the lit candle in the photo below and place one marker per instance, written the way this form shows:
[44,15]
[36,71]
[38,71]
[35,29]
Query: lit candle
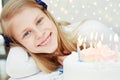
[79,43]
[102,36]
[95,41]
[96,36]
[99,44]
[116,40]
[84,43]
[91,39]
[110,40]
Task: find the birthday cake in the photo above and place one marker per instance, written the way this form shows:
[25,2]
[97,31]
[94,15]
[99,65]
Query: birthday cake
[100,63]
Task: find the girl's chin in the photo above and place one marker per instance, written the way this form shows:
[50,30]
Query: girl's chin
[45,50]
[51,49]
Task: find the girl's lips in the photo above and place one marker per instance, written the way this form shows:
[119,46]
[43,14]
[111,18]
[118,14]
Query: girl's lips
[44,42]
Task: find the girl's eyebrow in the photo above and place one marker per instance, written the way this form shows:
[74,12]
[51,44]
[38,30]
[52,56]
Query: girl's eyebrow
[24,30]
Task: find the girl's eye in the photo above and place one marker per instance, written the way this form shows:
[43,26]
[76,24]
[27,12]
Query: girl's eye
[27,34]
[39,21]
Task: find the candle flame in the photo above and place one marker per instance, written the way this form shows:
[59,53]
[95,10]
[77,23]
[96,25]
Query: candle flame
[102,36]
[99,44]
[79,41]
[91,36]
[96,36]
[116,38]
[110,38]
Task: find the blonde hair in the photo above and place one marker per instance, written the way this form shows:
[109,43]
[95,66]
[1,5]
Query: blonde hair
[47,63]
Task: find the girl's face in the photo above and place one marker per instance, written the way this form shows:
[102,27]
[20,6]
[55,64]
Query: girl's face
[34,30]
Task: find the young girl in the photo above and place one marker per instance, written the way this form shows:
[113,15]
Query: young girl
[28,24]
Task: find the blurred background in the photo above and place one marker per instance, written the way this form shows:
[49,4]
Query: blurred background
[105,11]
[3,54]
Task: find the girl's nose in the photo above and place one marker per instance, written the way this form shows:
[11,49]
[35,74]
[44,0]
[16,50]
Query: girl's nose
[38,34]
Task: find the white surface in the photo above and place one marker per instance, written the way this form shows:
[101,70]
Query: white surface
[75,70]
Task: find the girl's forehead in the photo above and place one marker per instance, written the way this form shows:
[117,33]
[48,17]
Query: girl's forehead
[28,9]
[28,12]
[26,16]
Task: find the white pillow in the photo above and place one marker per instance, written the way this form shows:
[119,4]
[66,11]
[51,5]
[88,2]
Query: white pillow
[19,64]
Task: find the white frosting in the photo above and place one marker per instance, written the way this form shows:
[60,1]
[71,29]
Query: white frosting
[75,70]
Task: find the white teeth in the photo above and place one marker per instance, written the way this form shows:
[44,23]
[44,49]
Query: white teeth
[45,42]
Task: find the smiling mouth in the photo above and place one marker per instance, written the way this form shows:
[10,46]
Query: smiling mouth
[46,40]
